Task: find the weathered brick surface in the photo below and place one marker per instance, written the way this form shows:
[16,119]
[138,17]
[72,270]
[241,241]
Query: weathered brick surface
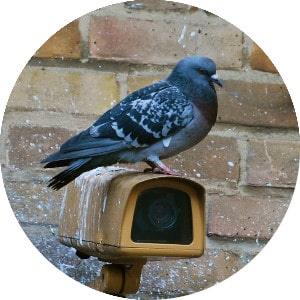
[170,277]
[28,145]
[160,42]
[64,43]
[34,203]
[64,89]
[46,241]
[256,104]
[272,163]
[245,217]
[216,157]
[260,61]
[190,275]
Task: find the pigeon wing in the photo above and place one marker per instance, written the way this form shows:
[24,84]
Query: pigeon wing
[143,118]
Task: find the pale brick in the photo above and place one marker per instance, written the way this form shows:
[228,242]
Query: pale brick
[64,43]
[245,217]
[161,42]
[256,104]
[260,61]
[137,82]
[272,163]
[68,90]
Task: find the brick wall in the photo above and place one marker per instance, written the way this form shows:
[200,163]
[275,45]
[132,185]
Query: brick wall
[248,163]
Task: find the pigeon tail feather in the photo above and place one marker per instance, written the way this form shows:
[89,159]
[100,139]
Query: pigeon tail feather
[77,167]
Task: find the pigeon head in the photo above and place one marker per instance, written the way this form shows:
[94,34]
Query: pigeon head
[195,73]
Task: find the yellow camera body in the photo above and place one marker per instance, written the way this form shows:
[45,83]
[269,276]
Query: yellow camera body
[121,216]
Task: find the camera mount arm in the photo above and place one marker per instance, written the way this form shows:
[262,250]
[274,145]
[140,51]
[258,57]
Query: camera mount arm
[118,280]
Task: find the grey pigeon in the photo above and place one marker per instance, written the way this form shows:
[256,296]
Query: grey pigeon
[153,123]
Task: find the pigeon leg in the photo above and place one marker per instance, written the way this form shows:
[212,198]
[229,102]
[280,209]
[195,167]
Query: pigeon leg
[159,167]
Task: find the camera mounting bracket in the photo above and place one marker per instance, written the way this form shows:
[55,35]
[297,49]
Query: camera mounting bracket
[119,280]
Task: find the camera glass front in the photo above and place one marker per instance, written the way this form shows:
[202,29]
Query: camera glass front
[163,215]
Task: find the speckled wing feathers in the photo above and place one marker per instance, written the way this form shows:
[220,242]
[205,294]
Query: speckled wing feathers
[146,116]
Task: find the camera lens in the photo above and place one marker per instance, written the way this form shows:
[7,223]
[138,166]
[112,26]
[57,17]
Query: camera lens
[162,214]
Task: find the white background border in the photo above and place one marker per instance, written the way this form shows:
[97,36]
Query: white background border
[26,25]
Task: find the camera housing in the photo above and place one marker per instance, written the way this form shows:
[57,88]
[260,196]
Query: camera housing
[122,216]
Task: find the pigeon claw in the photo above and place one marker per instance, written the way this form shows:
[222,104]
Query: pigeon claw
[166,171]
[160,168]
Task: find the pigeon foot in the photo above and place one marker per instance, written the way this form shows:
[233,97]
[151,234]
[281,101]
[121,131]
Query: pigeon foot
[161,168]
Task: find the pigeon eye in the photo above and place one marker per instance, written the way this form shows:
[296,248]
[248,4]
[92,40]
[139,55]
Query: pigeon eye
[202,71]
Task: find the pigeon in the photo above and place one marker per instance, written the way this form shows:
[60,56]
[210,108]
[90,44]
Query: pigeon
[153,123]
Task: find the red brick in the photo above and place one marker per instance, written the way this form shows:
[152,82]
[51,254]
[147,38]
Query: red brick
[64,43]
[215,158]
[272,163]
[256,104]
[162,42]
[157,5]
[260,61]
[28,145]
[245,217]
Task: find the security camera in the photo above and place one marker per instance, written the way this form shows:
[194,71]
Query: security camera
[126,217]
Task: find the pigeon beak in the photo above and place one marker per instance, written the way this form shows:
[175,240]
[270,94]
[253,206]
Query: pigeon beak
[215,79]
